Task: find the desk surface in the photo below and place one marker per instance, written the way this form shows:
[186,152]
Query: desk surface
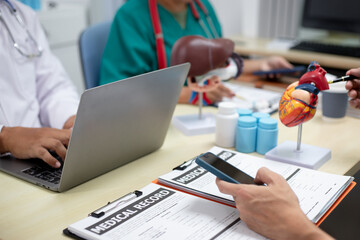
[258,46]
[28,210]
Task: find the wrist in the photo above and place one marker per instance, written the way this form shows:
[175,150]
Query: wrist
[3,148]
[253,65]
[185,95]
[310,231]
[317,234]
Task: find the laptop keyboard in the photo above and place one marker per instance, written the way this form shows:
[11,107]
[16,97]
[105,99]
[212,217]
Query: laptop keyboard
[45,172]
[328,48]
[48,174]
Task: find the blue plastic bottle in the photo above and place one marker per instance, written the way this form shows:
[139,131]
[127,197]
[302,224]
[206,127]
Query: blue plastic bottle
[245,140]
[244,112]
[267,135]
[259,115]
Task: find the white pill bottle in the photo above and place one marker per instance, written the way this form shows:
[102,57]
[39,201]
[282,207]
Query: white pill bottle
[226,120]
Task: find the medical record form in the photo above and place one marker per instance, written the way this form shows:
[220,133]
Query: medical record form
[164,213]
[317,191]
[186,203]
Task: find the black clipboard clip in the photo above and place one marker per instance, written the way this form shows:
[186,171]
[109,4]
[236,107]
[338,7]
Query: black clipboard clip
[185,164]
[98,214]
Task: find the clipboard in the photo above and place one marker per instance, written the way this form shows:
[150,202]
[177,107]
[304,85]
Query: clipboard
[130,196]
[163,213]
[343,222]
[70,234]
[185,164]
[336,203]
[217,207]
[100,212]
[316,212]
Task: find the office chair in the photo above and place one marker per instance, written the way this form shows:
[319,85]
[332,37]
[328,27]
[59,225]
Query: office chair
[92,44]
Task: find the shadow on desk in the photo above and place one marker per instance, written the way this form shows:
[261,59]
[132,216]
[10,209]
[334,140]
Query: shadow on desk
[344,221]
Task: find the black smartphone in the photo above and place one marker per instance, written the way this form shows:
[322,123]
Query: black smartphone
[222,169]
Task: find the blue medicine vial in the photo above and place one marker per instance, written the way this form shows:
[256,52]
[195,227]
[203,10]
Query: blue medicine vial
[259,115]
[267,135]
[245,139]
[244,112]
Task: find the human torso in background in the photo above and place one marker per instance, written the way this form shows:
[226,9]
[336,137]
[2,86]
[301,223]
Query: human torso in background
[33,92]
[131,49]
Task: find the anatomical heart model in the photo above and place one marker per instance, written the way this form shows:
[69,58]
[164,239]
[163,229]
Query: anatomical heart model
[298,103]
[297,106]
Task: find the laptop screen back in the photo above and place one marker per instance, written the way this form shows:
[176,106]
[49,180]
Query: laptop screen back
[120,122]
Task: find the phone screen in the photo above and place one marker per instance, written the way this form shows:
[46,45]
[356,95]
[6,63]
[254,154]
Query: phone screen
[227,168]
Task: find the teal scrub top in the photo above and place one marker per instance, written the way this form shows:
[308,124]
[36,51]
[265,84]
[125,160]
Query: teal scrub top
[131,48]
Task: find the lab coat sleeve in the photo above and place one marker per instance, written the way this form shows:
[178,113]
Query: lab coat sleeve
[57,96]
[130,48]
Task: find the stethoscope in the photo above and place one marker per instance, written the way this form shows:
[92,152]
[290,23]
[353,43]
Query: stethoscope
[38,49]
[159,37]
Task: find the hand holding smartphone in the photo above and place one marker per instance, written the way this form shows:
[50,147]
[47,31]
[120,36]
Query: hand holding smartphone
[222,169]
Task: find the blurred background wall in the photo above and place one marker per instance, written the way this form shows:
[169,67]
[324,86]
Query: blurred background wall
[64,20]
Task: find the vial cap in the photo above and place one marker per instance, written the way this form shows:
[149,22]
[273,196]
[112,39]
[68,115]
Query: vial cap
[247,121]
[268,123]
[244,112]
[259,115]
[227,108]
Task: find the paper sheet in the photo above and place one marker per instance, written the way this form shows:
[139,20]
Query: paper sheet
[258,100]
[315,190]
[163,213]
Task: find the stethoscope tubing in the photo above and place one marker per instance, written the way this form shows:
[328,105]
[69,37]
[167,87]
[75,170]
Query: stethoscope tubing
[210,34]
[12,8]
[159,37]
[14,12]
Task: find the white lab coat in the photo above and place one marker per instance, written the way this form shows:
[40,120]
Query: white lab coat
[33,92]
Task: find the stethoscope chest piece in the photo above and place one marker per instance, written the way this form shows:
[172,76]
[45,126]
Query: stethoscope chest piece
[37,49]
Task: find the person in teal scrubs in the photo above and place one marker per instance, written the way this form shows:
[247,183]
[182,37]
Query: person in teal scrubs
[131,47]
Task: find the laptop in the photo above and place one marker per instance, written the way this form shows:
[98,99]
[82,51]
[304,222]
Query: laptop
[115,124]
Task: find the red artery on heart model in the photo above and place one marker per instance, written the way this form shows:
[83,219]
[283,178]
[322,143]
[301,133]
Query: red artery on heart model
[299,101]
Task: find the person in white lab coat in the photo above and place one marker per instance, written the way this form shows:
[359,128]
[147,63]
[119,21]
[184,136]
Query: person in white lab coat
[38,101]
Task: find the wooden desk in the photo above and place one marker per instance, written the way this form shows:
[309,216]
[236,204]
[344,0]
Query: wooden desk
[28,211]
[249,46]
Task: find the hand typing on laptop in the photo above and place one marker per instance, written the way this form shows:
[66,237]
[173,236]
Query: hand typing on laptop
[99,147]
[25,143]
[38,97]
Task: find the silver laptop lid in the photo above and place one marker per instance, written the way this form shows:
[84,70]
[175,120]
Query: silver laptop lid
[120,122]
